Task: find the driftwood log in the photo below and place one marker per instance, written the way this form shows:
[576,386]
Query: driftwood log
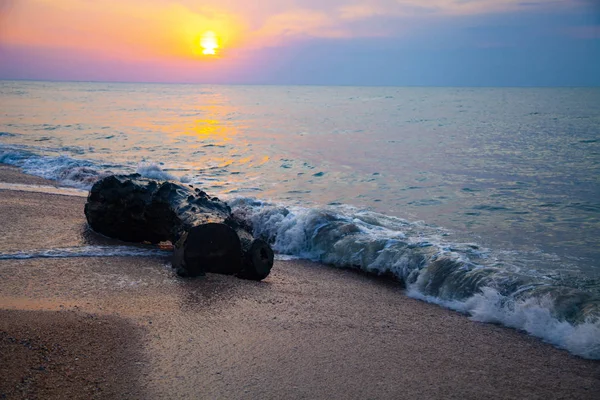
[206,236]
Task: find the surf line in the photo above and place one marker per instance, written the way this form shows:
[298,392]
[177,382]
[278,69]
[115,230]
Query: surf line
[103,251]
[87,251]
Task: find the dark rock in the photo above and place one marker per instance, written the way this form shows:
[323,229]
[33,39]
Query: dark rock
[257,256]
[211,247]
[206,237]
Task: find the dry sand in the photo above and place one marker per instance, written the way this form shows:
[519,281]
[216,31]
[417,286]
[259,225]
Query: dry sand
[307,331]
[65,354]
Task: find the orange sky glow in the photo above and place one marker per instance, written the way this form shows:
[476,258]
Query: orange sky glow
[174,29]
[172,34]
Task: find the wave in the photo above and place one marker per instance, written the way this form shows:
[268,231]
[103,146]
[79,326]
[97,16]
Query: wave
[67,170]
[74,172]
[534,315]
[461,276]
[153,171]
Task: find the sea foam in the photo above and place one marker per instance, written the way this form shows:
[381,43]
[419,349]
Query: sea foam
[536,316]
[67,170]
[86,251]
[154,171]
[74,172]
[460,276]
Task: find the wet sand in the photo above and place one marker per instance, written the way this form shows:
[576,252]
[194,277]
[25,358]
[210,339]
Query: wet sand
[307,331]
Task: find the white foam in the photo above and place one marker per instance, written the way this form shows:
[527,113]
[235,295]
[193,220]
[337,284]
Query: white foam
[86,251]
[285,257]
[340,236]
[12,155]
[67,170]
[532,315]
[419,256]
[70,171]
[153,171]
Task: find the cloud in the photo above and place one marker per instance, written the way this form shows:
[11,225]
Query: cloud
[147,29]
[360,11]
[441,8]
[300,22]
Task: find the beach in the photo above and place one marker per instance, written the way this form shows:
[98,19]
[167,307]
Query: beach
[128,327]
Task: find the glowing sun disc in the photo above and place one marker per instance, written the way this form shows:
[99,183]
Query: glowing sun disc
[209,43]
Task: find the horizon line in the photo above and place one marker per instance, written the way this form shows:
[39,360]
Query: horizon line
[291,84]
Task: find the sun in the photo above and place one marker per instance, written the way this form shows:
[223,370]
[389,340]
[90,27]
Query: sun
[209,43]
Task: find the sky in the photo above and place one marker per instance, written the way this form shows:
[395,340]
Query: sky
[320,42]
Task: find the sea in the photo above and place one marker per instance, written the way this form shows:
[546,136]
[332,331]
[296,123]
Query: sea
[482,200]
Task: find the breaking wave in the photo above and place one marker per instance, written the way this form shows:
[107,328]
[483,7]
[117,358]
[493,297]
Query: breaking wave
[153,171]
[67,170]
[74,172]
[461,276]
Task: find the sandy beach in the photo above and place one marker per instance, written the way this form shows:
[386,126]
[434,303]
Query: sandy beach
[128,327]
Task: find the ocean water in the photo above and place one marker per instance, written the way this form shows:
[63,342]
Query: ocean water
[484,200]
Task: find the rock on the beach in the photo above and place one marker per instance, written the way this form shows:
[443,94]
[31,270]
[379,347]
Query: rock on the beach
[134,209]
[257,257]
[212,247]
[206,236]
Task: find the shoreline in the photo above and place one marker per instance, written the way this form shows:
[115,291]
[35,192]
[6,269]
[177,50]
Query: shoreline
[307,331]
